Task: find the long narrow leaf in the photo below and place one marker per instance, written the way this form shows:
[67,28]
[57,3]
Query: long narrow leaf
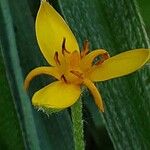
[19,48]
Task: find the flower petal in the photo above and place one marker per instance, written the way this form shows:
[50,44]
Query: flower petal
[51,29]
[86,62]
[120,65]
[52,71]
[57,95]
[94,91]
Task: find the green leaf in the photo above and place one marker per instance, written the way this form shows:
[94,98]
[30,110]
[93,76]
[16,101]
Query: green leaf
[116,26]
[19,47]
[9,127]
[144,9]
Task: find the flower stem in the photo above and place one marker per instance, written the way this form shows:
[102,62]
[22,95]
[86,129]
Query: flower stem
[76,112]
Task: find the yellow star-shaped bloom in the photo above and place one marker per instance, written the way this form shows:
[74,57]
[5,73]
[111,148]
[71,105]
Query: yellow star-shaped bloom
[71,67]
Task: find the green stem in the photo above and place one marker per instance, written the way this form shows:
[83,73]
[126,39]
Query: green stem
[76,112]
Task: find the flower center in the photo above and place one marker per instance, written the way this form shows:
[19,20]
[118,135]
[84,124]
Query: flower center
[69,64]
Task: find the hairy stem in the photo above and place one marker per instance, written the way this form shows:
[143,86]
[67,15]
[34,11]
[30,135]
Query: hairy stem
[76,112]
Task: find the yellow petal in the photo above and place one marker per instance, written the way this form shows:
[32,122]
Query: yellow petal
[94,91]
[52,71]
[51,29]
[86,61]
[56,95]
[120,65]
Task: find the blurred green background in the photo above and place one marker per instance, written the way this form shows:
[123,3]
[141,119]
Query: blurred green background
[18,130]
[144,6]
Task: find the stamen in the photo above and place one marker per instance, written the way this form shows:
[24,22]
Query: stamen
[56,58]
[77,73]
[104,57]
[64,78]
[64,47]
[85,49]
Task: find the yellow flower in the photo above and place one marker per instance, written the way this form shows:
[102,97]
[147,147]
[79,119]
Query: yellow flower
[71,67]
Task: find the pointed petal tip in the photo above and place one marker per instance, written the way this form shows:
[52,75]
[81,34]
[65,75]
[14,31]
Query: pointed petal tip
[96,95]
[102,109]
[100,105]
[51,29]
